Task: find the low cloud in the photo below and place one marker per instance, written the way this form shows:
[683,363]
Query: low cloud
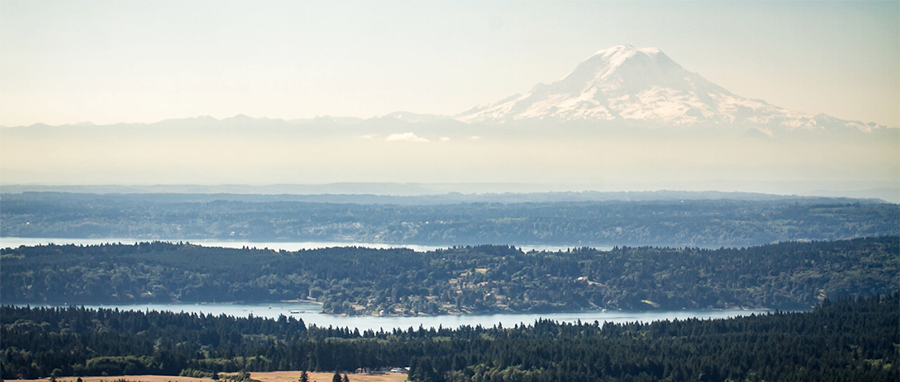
[445,139]
[406,137]
[475,137]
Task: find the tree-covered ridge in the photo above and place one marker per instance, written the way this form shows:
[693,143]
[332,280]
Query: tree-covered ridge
[477,279]
[704,223]
[841,340]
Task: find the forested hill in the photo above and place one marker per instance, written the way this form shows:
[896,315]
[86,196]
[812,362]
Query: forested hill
[703,223]
[478,279]
[842,340]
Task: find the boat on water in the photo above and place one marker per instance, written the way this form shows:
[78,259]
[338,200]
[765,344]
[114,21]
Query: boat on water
[295,311]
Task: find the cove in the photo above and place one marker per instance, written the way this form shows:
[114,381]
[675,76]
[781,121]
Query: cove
[311,314]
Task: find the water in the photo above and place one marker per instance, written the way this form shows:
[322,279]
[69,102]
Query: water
[310,313]
[14,242]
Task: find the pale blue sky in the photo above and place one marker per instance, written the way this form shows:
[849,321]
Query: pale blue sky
[144,61]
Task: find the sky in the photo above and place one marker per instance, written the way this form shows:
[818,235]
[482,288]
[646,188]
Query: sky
[65,62]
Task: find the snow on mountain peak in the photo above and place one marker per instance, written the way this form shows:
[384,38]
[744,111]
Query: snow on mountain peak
[618,54]
[639,84]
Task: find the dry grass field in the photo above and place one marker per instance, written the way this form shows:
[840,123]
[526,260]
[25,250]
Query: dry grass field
[293,376]
[275,376]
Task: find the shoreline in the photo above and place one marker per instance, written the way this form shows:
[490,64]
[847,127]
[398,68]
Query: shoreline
[491,313]
[463,313]
[275,245]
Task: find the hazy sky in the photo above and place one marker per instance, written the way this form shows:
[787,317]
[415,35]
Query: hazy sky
[144,61]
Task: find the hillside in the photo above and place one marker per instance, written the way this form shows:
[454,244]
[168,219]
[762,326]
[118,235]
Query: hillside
[445,222]
[459,280]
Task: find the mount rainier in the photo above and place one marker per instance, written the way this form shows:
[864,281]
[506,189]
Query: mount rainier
[643,85]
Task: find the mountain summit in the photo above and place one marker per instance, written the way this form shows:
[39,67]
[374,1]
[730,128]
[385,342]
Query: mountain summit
[624,83]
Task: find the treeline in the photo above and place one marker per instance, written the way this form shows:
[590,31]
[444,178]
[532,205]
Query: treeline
[841,340]
[704,223]
[481,279]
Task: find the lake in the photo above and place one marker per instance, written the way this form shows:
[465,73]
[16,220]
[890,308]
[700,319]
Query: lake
[310,314]
[13,242]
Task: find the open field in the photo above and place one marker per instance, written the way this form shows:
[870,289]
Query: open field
[275,376]
[293,376]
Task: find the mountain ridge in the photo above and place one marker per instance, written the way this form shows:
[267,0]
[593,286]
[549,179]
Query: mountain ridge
[615,85]
[624,83]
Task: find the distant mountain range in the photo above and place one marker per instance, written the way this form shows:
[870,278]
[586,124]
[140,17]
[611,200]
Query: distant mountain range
[639,86]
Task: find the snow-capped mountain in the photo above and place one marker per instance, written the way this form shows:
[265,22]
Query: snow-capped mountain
[624,83]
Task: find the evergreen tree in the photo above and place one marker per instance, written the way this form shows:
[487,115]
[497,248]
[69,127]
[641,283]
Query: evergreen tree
[774,346]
